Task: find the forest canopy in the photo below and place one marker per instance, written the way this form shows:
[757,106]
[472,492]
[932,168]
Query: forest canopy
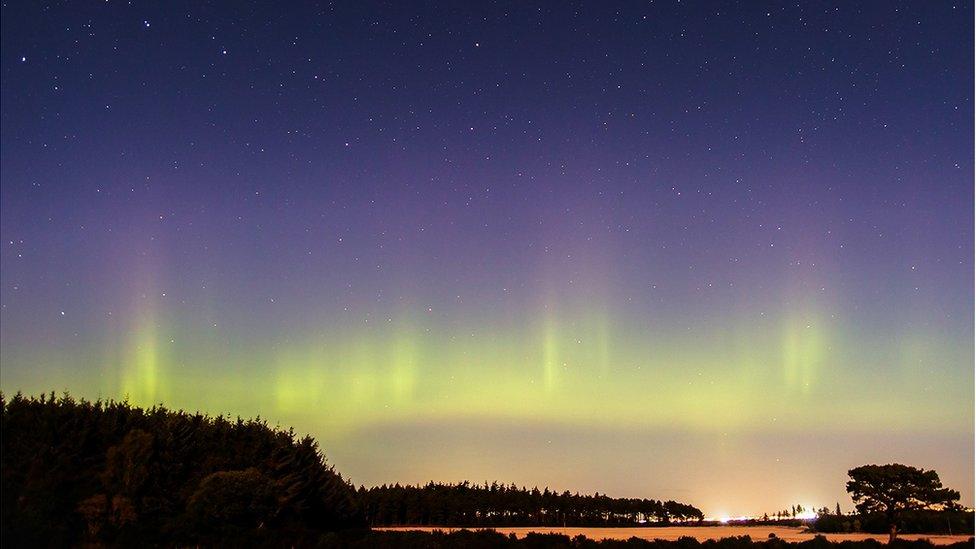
[78,471]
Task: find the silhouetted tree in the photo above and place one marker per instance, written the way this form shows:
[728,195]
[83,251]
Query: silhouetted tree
[895,488]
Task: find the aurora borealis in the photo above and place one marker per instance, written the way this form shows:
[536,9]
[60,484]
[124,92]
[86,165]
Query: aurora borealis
[699,251]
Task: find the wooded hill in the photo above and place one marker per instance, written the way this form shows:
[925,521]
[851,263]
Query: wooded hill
[75,472]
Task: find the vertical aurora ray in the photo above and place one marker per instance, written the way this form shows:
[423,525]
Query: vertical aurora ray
[804,351]
[602,333]
[144,363]
[141,380]
[301,380]
[551,364]
[404,360]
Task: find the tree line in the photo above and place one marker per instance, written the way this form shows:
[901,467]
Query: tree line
[500,505]
[946,521]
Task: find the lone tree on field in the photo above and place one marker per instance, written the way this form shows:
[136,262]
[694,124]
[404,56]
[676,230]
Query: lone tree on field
[895,488]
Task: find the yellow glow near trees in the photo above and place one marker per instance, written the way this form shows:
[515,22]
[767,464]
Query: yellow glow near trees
[143,379]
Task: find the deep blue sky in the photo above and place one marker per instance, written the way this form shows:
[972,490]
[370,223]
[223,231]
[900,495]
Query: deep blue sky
[633,230]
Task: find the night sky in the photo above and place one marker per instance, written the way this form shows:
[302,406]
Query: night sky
[694,251]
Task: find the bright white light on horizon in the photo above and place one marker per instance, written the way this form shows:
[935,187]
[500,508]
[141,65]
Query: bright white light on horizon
[807,515]
[724,519]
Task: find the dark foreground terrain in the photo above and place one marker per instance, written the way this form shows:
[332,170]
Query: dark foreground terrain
[491,538]
[106,474]
[704,532]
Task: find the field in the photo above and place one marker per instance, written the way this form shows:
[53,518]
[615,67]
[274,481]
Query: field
[699,532]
